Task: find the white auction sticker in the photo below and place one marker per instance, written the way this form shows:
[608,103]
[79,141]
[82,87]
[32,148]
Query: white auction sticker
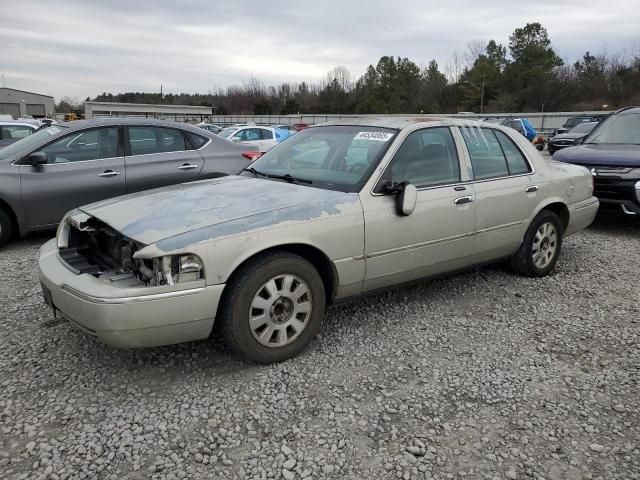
[52,130]
[377,136]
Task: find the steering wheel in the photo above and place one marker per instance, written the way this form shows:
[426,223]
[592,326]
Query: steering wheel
[356,168]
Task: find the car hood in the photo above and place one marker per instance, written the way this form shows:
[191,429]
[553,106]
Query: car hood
[569,136]
[601,154]
[154,215]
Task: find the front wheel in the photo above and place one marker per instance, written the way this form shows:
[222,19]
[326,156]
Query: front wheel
[272,307]
[540,246]
[6,230]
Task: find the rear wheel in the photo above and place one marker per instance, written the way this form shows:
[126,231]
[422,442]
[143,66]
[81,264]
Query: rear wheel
[540,247]
[272,307]
[6,228]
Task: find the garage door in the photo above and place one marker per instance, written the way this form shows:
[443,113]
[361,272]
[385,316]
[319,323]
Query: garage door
[35,109]
[12,109]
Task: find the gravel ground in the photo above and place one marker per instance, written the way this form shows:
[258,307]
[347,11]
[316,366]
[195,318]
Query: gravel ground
[484,375]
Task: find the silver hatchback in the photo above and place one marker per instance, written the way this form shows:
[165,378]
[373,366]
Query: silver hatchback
[334,212]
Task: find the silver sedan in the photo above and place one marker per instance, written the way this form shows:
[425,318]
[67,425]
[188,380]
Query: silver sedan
[332,213]
[67,165]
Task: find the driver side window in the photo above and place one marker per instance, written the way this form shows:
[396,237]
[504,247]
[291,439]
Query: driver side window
[426,158]
[86,145]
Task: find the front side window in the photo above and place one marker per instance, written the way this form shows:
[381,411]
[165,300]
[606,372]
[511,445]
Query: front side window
[248,135]
[148,140]
[86,145]
[332,157]
[427,157]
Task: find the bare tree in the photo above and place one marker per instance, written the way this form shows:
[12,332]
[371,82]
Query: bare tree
[475,48]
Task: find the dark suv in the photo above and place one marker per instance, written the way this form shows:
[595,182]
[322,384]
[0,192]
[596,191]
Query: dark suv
[612,153]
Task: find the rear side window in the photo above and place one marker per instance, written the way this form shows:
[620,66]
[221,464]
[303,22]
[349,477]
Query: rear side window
[266,134]
[516,162]
[196,140]
[485,151]
[147,140]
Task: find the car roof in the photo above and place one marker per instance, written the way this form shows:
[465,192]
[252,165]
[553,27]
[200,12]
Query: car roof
[402,122]
[105,122]
[17,122]
[628,110]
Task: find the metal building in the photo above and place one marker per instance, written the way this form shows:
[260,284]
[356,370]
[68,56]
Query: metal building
[19,103]
[179,113]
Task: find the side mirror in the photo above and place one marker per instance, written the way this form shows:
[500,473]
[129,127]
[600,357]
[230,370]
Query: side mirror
[38,158]
[406,195]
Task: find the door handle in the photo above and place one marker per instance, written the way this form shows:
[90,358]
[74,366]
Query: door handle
[531,189]
[187,166]
[109,173]
[463,200]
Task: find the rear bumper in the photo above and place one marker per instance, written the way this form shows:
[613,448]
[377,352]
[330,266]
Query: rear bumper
[127,318]
[581,215]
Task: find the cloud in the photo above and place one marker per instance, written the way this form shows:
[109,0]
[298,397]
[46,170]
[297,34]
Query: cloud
[81,48]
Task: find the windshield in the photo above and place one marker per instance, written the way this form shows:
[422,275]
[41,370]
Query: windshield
[623,128]
[333,157]
[27,144]
[227,132]
[583,128]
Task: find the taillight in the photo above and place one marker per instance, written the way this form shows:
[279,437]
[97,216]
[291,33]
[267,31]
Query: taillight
[251,155]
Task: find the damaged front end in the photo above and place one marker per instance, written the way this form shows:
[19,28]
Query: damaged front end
[86,245]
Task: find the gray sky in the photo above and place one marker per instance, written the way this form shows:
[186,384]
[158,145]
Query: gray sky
[82,48]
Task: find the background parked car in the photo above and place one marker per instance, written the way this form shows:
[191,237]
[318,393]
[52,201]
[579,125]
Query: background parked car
[572,137]
[525,128]
[60,167]
[612,152]
[13,131]
[572,122]
[210,127]
[262,138]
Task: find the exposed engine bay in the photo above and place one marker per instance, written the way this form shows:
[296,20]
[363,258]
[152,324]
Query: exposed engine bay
[97,249]
[94,248]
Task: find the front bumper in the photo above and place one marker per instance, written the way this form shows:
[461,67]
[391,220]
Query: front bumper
[127,317]
[616,195]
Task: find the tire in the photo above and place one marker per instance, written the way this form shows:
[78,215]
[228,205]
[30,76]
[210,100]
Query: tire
[6,228]
[292,295]
[544,233]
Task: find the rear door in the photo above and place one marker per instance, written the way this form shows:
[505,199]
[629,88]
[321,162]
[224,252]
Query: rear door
[505,194]
[83,167]
[159,156]
[268,139]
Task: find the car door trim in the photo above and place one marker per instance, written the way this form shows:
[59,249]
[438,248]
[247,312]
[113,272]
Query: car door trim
[413,246]
[499,227]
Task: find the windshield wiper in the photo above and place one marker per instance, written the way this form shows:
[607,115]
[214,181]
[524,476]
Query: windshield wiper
[291,179]
[286,177]
[255,172]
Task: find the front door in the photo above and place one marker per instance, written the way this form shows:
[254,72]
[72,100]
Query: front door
[438,235]
[83,167]
[159,156]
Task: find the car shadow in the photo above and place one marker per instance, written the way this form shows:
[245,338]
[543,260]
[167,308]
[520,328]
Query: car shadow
[616,224]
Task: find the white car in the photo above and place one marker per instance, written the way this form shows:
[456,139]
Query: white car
[263,138]
[12,131]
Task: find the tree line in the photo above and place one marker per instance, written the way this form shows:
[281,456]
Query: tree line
[526,75]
